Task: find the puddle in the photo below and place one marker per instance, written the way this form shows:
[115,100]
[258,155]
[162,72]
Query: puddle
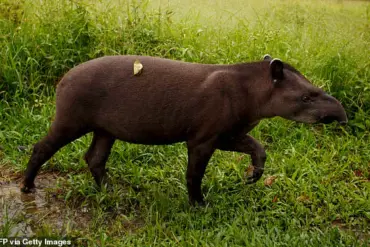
[24,215]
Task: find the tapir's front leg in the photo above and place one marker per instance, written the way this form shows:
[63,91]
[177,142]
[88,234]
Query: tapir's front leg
[198,157]
[246,144]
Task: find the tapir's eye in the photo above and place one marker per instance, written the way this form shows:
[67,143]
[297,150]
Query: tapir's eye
[306,99]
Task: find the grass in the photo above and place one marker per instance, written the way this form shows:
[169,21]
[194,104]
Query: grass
[322,193]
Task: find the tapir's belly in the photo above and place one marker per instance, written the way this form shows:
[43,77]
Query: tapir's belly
[145,126]
[147,135]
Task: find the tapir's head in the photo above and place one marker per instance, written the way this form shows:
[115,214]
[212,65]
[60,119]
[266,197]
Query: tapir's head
[293,97]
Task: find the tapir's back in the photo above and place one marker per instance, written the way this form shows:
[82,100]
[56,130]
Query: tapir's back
[105,93]
[117,71]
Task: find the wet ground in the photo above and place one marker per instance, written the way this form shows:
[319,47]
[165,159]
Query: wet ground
[26,215]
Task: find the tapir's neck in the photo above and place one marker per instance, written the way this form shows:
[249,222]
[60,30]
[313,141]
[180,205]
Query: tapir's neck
[253,90]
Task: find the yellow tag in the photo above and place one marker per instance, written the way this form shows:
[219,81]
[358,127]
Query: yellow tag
[138,67]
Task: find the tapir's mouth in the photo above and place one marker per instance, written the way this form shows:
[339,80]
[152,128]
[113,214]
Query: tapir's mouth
[330,119]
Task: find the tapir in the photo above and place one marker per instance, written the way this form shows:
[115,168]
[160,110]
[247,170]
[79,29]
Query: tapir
[207,106]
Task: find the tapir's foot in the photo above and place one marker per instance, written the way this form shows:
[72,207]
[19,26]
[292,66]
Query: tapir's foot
[253,174]
[104,182]
[105,186]
[197,201]
[27,187]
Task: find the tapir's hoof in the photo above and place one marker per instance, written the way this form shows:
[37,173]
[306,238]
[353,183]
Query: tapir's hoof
[28,188]
[251,180]
[253,174]
[197,202]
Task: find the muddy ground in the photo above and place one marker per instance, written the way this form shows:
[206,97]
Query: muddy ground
[27,215]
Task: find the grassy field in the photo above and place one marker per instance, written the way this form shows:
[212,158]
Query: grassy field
[321,195]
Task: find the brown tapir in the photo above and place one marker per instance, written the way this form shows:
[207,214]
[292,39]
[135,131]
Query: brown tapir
[207,106]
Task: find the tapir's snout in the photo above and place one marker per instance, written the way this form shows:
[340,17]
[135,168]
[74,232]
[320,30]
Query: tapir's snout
[332,110]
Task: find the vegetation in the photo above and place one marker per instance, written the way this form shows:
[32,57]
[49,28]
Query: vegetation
[322,192]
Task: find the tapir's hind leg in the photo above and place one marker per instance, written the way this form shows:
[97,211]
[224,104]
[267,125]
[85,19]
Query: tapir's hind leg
[98,154]
[58,136]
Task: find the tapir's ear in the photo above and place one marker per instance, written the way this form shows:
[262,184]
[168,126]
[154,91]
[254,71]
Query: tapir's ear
[276,68]
[267,57]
